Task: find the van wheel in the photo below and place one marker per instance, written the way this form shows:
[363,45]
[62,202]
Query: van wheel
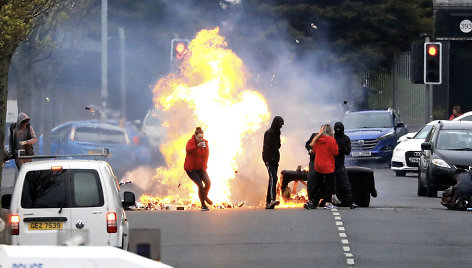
[400,173]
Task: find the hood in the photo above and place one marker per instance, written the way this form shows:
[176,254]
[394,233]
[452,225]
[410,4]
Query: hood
[366,133]
[463,158]
[338,129]
[21,117]
[322,139]
[277,123]
[410,145]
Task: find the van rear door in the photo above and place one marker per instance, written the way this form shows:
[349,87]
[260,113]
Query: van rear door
[44,207]
[88,206]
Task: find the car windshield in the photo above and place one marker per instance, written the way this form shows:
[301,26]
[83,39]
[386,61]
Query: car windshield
[100,135]
[367,120]
[455,140]
[62,189]
[423,132]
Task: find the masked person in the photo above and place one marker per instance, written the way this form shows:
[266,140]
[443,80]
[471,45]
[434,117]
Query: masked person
[22,137]
[325,149]
[311,176]
[344,146]
[196,160]
[271,158]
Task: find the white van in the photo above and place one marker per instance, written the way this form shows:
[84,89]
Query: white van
[68,202]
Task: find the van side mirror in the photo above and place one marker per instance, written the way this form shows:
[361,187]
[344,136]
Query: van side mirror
[426,146]
[128,199]
[400,124]
[6,201]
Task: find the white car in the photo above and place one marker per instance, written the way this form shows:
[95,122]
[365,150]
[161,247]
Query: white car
[465,117]
[153,128]
[406,154]
[61,202]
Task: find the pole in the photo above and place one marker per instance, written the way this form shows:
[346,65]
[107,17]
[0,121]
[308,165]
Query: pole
[428,97]
[122,72]
[104,89]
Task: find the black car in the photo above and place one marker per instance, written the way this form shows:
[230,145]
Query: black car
[446,150]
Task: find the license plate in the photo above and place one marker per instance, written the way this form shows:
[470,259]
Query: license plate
[414,159]
[360,154]
[45,225]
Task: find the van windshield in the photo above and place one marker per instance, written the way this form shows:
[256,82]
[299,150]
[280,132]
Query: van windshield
[65,188]
[100,135]
[367,120]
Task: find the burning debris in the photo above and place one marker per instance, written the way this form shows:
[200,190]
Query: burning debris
[147,202]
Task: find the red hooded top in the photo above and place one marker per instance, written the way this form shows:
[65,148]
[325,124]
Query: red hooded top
[325,150]
[196,157]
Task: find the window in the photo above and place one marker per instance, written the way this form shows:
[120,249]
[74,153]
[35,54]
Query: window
[368,120]
[62,189]
[100,135]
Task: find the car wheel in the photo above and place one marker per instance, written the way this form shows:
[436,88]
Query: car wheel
[400,173]
[430,191]
[421,189]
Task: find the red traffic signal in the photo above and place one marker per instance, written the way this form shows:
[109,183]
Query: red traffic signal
[179,48]
[432,63]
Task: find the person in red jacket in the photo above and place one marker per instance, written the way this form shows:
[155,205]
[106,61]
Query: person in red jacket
[325,149]
[195,165]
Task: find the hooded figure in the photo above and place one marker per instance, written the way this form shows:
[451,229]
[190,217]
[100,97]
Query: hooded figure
[271,157]
[342,185]
[22,137]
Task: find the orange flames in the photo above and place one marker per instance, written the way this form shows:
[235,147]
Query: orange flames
[209,91]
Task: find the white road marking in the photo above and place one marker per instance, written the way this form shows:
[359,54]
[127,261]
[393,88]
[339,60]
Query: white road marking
[342,235]
[344,240]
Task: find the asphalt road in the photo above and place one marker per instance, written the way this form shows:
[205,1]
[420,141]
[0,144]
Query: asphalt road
[399,229]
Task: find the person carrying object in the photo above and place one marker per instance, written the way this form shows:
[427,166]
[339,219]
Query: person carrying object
[22,137]
[344,146]
[271,158]
[196,160]
[325,149]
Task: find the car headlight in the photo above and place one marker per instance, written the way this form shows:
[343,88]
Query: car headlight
[440,163]
[387,136]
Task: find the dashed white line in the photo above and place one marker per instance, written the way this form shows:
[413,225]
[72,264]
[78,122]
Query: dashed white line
[343,236]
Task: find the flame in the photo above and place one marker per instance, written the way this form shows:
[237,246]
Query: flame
[209,91]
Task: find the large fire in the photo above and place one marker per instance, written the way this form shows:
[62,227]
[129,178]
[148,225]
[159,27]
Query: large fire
[209,90]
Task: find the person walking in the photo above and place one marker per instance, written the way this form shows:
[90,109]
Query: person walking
[196,160]
[325,149]
[271,158]
[342,180]
[456,112]
[22,137]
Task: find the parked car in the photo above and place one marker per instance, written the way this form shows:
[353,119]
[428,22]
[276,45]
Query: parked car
[60,202]
[373,133]
[446,149]
[153,128]
[406,155]
[87,137]
[465,117]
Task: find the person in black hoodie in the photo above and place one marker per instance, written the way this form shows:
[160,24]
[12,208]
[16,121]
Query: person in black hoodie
[271,157]
[344,145]
[311,176]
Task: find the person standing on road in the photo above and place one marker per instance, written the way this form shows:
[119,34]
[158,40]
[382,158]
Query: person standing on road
[311,176]
[325,149]
[271,158]
[344,146]
[196,160]
[22,137]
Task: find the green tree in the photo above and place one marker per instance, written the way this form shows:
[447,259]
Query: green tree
[17,19]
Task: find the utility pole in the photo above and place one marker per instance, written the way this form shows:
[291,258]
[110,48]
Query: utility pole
[122,72]
[104,89]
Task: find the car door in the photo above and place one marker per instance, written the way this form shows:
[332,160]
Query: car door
[88,209]
[426,155]
[44,207]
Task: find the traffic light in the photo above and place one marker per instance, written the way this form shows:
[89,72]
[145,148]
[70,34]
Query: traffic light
[178,49]
[432,63]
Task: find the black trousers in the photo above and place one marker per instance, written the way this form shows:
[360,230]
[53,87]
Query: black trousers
[272,187]
[342,182]
[311,180]
[200,177]
[324,187]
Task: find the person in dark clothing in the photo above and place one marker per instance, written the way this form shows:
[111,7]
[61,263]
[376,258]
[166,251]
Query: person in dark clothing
[195,165]
[344,146]
[22,137]
[311,176]
[271,158]
[459,196]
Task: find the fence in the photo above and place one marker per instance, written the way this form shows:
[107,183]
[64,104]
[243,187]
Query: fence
[392,88]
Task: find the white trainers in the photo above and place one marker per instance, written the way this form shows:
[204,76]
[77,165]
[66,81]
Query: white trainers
[330,206]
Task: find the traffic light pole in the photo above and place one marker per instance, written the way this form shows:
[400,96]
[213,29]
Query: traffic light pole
[428,96]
